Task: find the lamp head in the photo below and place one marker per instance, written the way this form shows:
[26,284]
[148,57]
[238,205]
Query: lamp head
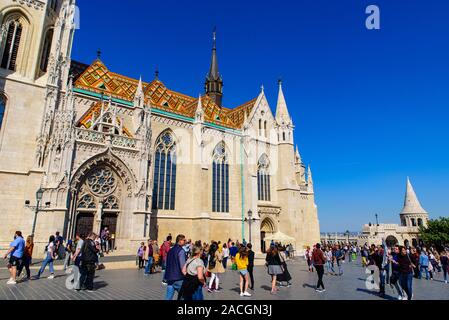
[39,194]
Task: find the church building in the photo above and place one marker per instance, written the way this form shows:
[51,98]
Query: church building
[144,160]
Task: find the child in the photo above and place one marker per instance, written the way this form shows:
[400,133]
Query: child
[140,254]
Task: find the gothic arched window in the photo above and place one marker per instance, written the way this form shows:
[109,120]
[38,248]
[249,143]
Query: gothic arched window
[164,189]
[46,50]
[12,43]
[264,179]
[2,109]
[220,179]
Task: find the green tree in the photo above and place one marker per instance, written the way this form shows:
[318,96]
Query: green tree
[436,233]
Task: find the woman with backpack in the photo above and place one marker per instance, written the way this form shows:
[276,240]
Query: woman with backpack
[215,267]
[50,253]
[194,281]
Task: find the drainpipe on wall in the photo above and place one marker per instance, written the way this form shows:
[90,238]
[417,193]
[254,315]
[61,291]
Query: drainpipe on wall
[243,188]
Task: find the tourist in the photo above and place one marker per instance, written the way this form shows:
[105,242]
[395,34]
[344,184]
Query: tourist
[415,257]
[89,257]
[225,252]
[16,251]
[395,272]
[444,264]
[68,254]
[406,268]
[318,261]
[27,258]
[430,268]
[50,250]
[104,236]
[233,250]
[59,246]
[76,258]
[194,281]
[242,261]
[188,248]
[175,262]
[339,255]
[205,254]
[250,268]
[215,267]
[165,248]
[140,255]
[274,265]
[148,258]
[365,255]
[424,264]
[156,256]
[433,259]
[308,257]
[329,261]
[285,276]
[378,258]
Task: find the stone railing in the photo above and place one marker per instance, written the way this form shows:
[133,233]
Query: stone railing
[91,136]
[124,142]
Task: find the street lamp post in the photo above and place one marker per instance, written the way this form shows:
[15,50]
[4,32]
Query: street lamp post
[37,208]
[250,220]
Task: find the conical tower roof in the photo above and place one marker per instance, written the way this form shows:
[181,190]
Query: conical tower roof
[411,203]
[282,114]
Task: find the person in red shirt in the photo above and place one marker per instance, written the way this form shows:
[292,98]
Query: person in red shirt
[165,248]
[319,260]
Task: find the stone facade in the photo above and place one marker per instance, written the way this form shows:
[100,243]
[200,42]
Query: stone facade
[137,157]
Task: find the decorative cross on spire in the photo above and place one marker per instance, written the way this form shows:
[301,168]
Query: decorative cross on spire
[98,54]
[156,73]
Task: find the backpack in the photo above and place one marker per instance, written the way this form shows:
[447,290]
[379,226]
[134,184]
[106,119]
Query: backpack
[212,262]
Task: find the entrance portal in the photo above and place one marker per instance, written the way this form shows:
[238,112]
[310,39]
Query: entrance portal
[84,223]
[266,228]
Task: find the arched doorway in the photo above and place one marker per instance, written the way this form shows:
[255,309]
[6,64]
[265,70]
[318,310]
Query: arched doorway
[391,241]
[98,201]
[267,227]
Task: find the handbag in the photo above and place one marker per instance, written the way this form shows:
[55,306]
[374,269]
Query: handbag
[234,267]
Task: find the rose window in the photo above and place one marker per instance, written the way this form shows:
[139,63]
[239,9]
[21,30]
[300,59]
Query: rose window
[102,182]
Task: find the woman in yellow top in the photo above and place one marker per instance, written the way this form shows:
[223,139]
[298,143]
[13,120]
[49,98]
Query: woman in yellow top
[241,260]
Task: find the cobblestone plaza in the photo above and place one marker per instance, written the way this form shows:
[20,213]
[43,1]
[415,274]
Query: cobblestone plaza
[131,284]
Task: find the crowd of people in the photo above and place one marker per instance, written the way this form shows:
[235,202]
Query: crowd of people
[189,268]
[81,258]
[397,265]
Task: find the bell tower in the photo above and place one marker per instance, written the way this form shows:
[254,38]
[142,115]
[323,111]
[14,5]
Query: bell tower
[214,81]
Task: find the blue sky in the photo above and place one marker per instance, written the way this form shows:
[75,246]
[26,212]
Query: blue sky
[370,107]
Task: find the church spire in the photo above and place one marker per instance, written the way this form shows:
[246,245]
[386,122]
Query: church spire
[282,115]
[214,82]
[309,180]
[199,113]
[298,156]
[139,96]
[411,203]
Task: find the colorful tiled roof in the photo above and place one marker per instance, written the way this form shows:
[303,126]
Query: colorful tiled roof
[97,78]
